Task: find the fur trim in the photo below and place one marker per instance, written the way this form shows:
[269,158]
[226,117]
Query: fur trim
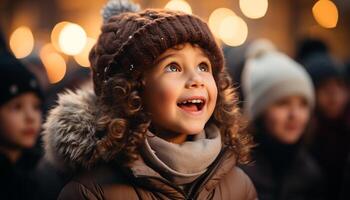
[69,132]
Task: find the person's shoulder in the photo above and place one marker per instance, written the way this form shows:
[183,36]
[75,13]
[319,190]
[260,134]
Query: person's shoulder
[310,166]
[308,162]
[84,185]
[78,191]
[99,183]
[240,184]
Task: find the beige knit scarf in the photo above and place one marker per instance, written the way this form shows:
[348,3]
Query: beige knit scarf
[183,163]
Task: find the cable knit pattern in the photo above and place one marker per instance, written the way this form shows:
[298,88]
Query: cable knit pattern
[131,40]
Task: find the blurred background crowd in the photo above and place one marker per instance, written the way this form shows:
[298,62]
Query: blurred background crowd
[289,59]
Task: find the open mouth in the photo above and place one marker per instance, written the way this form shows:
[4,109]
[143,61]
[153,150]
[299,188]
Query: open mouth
[192,105]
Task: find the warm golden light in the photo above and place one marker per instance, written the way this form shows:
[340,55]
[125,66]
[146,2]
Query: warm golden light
[22,42]
[233,31]
[253,9]
[72,39]
[216,18]
[325,13]
[55,33]
[83,57]
[179,5]
[46,50]
[54,63]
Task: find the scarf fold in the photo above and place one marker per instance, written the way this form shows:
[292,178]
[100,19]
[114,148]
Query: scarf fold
[183,163]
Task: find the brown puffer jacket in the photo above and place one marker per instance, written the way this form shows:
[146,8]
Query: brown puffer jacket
[69,137]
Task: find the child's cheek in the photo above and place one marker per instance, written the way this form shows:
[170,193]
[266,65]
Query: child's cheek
[168,94]
[163,96]
[213,93]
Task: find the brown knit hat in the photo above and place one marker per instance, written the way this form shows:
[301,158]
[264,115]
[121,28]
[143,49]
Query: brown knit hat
[132,40]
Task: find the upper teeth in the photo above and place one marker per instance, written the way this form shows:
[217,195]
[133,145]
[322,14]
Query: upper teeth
[192,101]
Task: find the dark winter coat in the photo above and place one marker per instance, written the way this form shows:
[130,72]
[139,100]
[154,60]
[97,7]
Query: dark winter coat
[284,172]
[329,145]
[17,180]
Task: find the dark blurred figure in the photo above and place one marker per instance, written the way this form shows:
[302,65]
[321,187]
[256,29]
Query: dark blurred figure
[20,123]
[345,192]
[279,98]
[347,79]
[235,59]
[330,132]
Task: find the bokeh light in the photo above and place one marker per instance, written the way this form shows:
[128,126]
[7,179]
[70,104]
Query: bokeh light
[55,33]
[83,57]
[325,13]
[179,5]
[233,31]
[216,18]
[72,39]
[254,9]
[54,63]
[22,42]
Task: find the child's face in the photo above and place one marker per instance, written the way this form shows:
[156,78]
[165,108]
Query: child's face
[20,121]
[180,91]
[286,119]
[332,98]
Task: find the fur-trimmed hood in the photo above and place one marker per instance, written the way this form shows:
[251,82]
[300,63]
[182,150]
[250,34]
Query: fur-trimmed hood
[70,134]
[69,131]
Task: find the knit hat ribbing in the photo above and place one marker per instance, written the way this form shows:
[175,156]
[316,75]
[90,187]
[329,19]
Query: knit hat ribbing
[130,41]
[15,78]
[270,75]
[315,56]
[321,67]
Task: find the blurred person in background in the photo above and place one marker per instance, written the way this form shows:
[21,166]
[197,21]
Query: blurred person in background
[347,79]
[279,98]
[330,131]
[20,124]
[345,193]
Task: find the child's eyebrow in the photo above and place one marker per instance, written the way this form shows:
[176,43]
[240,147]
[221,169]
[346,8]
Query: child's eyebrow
[204,55]
[164,57]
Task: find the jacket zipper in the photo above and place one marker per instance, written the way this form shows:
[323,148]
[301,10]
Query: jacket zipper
[199,183]
[164,181]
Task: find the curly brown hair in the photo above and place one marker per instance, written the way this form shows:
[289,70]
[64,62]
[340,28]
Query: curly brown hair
[124,122]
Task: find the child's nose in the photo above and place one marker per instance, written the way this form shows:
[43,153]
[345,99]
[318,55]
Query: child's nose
[194,81]
[31,115]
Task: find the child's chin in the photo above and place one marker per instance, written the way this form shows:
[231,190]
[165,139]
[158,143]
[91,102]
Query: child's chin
[194,131]
[27,144]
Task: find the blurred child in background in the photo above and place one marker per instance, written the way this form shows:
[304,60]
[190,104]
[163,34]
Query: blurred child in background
[330,131]
[20,124]
[279,99]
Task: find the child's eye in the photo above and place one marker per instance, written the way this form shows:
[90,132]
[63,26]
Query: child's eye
[203,67]
[37,107]
[16,107]
[172,67]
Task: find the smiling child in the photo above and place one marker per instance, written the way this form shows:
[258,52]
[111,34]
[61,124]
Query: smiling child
[162,121]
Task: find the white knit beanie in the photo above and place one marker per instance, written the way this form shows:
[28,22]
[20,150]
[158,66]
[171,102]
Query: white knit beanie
[269,75]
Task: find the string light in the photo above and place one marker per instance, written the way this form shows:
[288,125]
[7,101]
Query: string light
[179,5]
[325,13]
[54,63]
[233,31]
[216,17]
[83,57]
[22,42]
[253,9]
[72,39]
